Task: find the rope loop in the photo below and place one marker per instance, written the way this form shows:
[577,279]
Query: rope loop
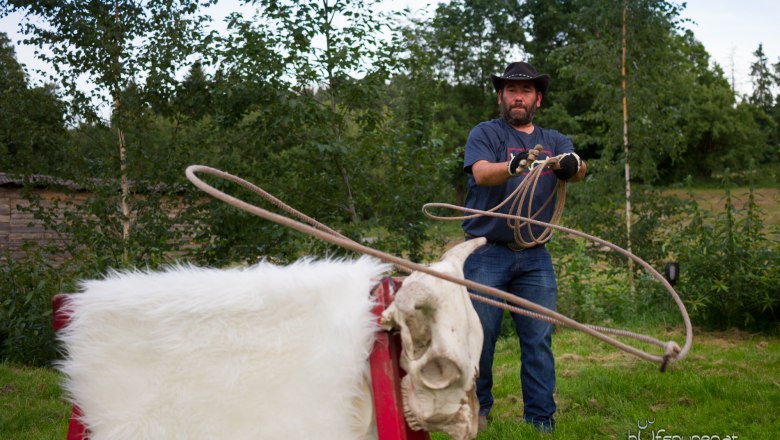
[498,298]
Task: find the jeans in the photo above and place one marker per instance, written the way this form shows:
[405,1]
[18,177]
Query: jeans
[527,274]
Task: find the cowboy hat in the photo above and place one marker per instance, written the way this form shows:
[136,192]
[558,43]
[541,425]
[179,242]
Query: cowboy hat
[520,71]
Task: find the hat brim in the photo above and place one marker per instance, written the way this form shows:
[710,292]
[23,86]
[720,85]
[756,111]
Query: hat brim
[540,81]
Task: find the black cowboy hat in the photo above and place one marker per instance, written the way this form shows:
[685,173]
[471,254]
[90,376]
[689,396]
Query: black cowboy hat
[520,71]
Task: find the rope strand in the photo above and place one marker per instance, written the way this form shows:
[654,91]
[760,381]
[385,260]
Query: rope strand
[672,352]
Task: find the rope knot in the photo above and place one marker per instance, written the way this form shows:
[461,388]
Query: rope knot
[671,350]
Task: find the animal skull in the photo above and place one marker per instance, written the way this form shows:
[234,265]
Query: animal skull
[442,340]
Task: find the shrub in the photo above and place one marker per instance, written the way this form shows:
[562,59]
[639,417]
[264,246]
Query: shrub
[29,283]
[730,268]
[590,290]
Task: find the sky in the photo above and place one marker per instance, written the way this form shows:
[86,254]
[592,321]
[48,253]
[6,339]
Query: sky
[730,31]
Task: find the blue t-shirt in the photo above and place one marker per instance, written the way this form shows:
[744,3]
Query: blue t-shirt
[496,141]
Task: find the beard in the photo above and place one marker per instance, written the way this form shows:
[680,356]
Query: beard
[518,115]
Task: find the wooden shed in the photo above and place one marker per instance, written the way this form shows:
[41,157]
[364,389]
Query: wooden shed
[18,227]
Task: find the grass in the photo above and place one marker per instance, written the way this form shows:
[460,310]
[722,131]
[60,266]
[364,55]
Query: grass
[714,200]
[728,385]
[31,404]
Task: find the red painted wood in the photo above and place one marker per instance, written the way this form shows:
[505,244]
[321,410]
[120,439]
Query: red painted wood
[76,430]
[60,319]
[386,374]
[60,313]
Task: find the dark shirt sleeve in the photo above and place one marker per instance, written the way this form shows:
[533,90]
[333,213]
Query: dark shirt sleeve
[564,145]
[479,146]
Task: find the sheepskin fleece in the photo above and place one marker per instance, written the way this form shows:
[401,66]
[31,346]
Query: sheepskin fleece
[264,352]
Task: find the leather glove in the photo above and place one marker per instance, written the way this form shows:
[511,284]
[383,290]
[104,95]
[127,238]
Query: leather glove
[568,166]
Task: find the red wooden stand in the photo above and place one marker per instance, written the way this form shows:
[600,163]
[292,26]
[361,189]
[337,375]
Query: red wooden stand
[60,319]
[385,373]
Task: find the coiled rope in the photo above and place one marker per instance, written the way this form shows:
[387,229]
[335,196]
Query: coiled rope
[308,225]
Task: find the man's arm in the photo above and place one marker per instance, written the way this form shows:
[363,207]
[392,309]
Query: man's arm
[495,173]
[580,173]
[490,173]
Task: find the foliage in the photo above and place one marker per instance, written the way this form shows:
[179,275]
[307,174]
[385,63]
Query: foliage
[32,126]
[729,260]
[589,290]
[763,79]
[357,118]
[29,283]
[731,268]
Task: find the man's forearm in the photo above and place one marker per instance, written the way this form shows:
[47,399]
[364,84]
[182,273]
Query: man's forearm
[580,173]
[490,173]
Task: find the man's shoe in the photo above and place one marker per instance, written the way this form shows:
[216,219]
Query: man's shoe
[482,423]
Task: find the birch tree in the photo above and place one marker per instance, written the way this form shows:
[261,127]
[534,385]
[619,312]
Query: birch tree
[99,48]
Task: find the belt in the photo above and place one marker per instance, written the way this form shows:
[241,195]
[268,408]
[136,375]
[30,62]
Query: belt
[511,245]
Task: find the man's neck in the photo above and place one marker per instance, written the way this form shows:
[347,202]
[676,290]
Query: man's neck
[527,129]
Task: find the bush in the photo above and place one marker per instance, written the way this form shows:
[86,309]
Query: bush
[730,268]
[589,289]
[729,261]
[29,283]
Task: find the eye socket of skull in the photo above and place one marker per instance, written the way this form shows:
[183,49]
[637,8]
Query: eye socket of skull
[419,327]
[439,373]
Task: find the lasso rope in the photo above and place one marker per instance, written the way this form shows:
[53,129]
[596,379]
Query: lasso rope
[308,225]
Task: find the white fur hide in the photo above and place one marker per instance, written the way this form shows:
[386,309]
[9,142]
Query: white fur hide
[264,352]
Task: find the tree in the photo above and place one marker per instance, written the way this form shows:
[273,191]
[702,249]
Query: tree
[298,107]
[119,47]
[327,75]
[113,44]
[32,128]
[583,56]
[763,79]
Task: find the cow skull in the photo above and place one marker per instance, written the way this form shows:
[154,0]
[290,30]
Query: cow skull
[442,340]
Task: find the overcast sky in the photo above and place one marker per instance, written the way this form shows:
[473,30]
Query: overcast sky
[730,30]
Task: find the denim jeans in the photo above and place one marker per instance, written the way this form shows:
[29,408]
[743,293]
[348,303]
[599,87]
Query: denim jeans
[527,274]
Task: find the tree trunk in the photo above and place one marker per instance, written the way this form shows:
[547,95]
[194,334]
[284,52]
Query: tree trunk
[122,147]
[625,151]
[350,205]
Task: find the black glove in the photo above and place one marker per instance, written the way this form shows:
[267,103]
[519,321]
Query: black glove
[514,167]
[570,165]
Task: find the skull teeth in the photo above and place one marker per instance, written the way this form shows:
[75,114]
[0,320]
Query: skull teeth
[411,419]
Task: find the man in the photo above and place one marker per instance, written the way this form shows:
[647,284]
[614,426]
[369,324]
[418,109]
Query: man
[494,151]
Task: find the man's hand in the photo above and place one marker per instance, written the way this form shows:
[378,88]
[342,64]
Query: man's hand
[519,163]
[516,166]
[568,165]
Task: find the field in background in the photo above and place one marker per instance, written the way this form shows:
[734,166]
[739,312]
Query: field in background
[711,199]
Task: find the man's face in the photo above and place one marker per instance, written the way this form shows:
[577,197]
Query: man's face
[518,101]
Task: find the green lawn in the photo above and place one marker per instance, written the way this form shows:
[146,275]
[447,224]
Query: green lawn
[729,385]
[31,405]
